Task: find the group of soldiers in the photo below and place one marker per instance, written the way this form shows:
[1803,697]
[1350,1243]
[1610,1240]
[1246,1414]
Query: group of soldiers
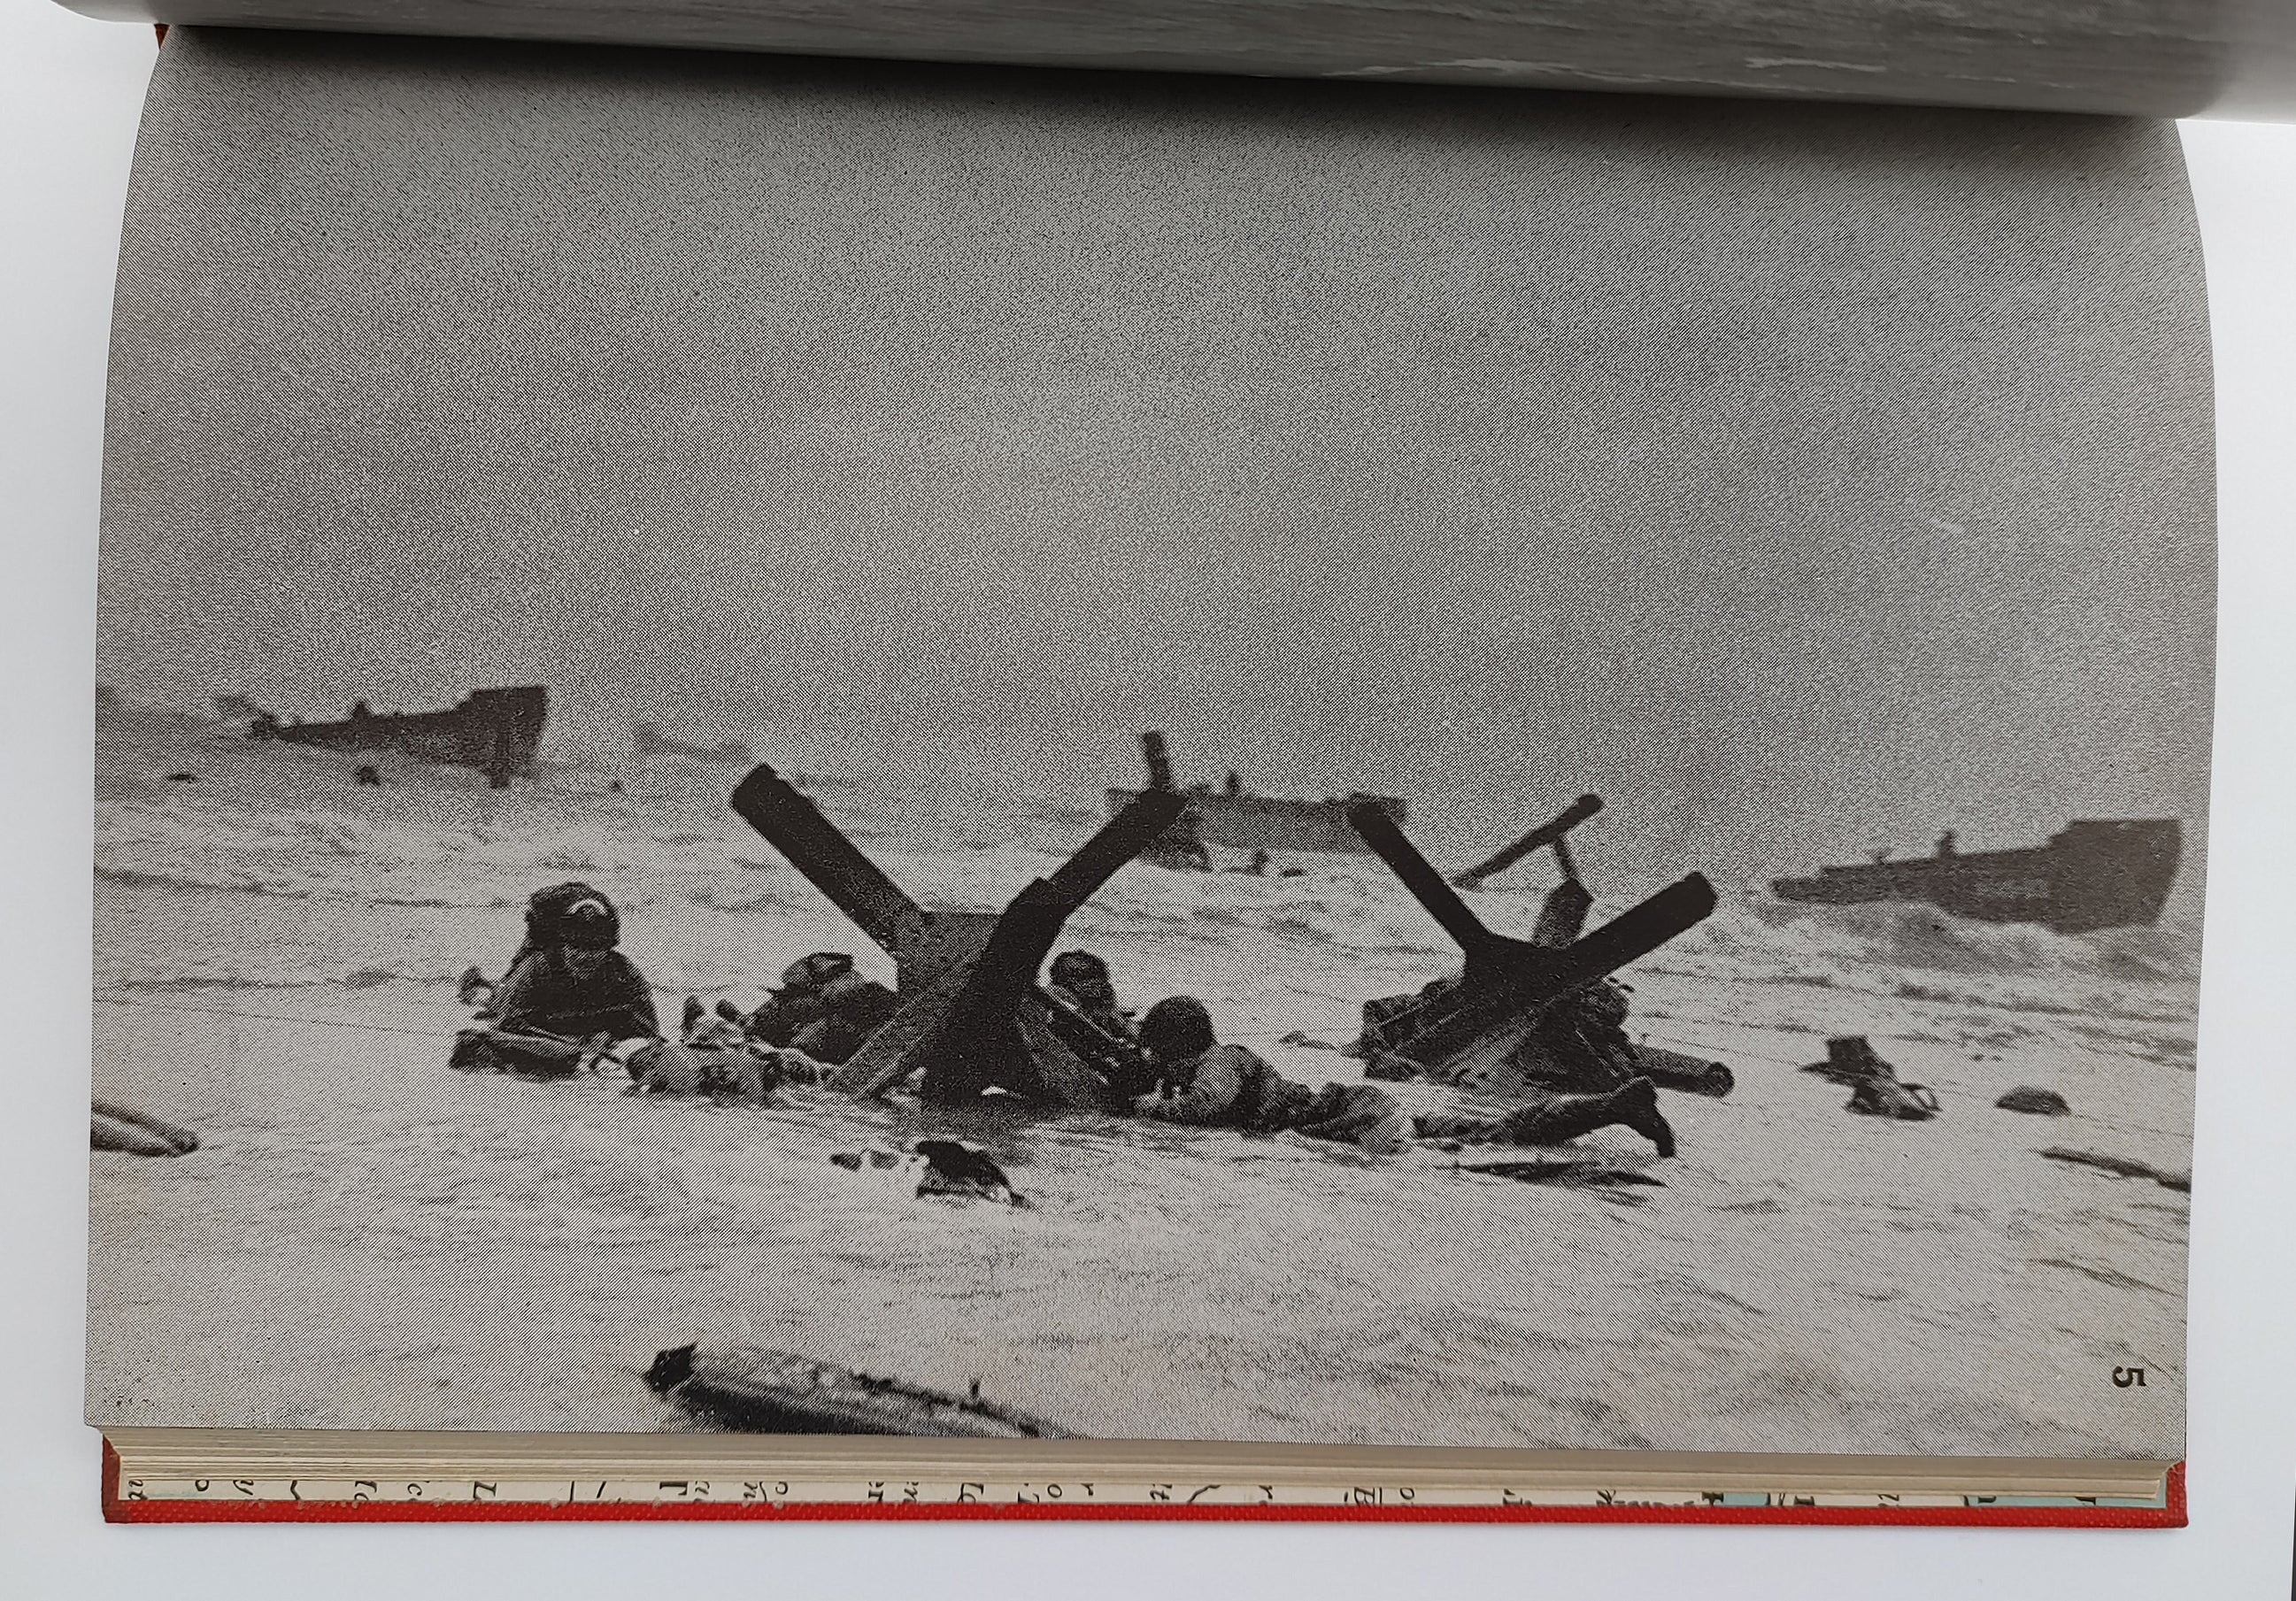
[570,1002]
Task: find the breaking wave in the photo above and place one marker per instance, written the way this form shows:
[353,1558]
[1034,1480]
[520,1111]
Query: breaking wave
[710,903]
[1919,953]
[1925,938]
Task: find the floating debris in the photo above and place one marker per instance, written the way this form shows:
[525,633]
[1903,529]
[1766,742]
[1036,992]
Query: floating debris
[940,1166]
[1593,1174]
[1874,1087]
[1888,1097]
[2122,1167]
[2039,1103]
[113,1127]
[778,1393]
[1849,1058]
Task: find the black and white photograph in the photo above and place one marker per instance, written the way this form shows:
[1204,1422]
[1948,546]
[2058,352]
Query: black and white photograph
[817,746]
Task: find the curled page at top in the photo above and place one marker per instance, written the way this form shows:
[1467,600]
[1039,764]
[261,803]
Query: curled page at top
[2151,58]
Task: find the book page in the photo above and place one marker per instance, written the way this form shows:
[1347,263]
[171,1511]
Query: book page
[645,526]
[2153,58]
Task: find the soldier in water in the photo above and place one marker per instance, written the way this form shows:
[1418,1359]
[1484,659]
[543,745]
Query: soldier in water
[1108,1042]
[824,1008]
[1221,1086]
[1582,1071]
[1556,1119]
[572,1001]
[570,995]
[1082,979]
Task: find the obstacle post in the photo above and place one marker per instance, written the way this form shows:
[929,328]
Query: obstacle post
[1506,983]
[973,1016]
[1554,833]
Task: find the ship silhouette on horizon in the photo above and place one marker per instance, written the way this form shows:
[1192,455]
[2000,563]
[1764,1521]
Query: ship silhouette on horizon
[495,731]
[2092,875]
[1233,817]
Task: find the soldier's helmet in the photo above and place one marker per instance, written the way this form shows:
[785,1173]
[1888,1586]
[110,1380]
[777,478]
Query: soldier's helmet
[573,913]
[1604,1003]
[1077,971]
[1177,1028]
[815,972]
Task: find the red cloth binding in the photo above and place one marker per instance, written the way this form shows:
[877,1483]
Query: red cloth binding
[118,1511]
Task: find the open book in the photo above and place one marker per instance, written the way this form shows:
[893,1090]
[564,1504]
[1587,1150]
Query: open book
[1324,782]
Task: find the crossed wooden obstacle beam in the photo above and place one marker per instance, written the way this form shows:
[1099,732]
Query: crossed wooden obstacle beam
[1553,835]
[1469,1034]
[973,1017]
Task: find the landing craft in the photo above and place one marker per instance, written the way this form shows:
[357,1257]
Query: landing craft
[496,731]
[650,741]
[2090,875]
[1232,817]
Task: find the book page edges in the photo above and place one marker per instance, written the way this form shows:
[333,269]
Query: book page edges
[352,1453]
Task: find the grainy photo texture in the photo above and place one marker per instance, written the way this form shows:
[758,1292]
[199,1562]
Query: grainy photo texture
[1181,758]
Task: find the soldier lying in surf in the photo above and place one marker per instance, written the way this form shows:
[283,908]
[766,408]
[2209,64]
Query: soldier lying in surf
[1209,1084]
[570,995]
[1172,1067]
[823,1009]
[572,1002]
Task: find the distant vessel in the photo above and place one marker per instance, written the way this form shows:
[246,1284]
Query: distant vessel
[1231,816]
[650,741]
[2090,875]
[496,731]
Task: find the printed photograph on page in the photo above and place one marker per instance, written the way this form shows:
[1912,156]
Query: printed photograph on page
[806,747]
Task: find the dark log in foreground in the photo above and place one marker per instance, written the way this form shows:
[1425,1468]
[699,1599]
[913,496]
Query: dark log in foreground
[118,1128]
[777,1392]
[109,1134]
[2122,1167]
